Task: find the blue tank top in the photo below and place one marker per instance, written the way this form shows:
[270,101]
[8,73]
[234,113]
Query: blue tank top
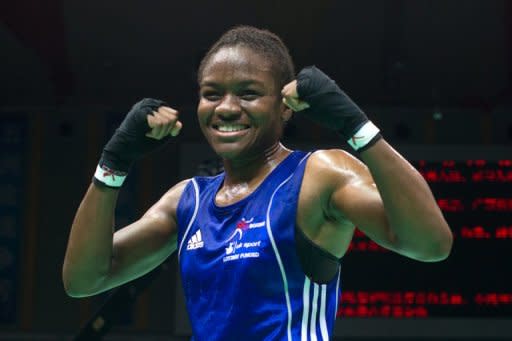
[239,266]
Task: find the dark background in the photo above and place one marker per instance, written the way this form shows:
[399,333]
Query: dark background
[429,73]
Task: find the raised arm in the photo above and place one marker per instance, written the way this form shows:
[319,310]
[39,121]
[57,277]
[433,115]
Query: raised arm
[419,229]
[96,259]
[392,204]
[386,198]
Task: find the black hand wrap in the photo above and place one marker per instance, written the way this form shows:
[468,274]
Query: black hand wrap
[129,141]
[329,105]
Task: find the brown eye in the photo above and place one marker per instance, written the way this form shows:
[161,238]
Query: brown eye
[211,96]
[249,95]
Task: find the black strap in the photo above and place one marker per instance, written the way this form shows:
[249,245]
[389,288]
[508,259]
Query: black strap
[318,264]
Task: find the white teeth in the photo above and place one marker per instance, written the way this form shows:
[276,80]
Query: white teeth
[231,127]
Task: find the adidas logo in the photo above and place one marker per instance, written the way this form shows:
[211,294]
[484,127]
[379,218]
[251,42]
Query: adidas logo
[196,241]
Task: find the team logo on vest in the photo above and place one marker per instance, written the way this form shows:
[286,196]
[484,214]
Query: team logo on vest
[236,243]
[196,241]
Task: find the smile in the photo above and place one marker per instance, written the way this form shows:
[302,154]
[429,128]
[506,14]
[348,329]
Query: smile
[227,128]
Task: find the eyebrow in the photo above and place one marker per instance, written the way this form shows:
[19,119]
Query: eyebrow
[241,83]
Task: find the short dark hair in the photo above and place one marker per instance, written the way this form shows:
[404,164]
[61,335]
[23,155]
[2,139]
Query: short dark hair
[261,41]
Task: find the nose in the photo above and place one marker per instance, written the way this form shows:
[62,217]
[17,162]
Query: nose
[229,107]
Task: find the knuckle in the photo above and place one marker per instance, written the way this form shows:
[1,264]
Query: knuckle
[169,110]
[170,119]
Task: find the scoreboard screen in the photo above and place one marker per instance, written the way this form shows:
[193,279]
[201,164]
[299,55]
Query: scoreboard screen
[474,284]
[476,280]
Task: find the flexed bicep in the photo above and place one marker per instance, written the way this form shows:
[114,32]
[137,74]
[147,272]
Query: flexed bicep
[359,202]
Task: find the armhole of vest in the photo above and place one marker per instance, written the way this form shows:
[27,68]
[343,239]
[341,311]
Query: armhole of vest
[317,263]
[181,212]
[324,253]
[307,250]
[186,215]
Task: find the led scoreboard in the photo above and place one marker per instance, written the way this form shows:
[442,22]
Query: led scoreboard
[467,295]
[475,282]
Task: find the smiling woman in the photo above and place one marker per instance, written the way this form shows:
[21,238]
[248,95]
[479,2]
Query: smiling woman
[240,113]
[276,220]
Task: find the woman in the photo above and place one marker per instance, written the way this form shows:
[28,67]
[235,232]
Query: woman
[259,245]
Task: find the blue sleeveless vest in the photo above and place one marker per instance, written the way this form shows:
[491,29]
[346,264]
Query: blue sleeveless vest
[239,266]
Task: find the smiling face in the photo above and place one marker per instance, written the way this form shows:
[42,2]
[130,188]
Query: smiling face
[240,109]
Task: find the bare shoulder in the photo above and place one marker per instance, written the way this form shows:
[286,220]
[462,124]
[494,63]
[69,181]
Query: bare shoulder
[168,203]
[335,168]
[326,171]
[175,191]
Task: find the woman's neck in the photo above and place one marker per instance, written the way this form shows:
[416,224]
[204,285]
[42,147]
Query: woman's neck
[255,169]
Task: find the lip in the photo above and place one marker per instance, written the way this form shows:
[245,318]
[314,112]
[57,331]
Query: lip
[229,134]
